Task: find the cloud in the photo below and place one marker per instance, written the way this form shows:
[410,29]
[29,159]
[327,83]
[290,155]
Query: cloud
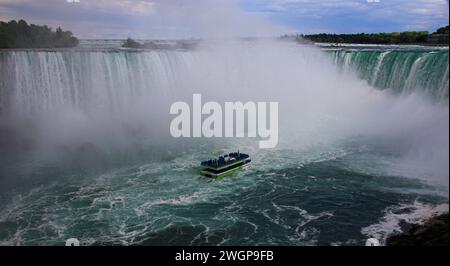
[141,18]
[226,18]
[354,15]
[87,18]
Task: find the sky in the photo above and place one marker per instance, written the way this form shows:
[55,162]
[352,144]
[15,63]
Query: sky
[118,19]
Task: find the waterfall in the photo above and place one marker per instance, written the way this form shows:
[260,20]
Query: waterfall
[400,71]
[91,81]
[31,81]
[114,100]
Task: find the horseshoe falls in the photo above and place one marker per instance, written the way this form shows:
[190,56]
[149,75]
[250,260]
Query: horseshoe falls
[86,152]
[400,71]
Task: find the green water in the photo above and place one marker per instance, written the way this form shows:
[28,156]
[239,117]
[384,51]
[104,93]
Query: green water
[400,71]
[83,155]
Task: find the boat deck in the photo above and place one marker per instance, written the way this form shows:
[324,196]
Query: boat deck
[225,165]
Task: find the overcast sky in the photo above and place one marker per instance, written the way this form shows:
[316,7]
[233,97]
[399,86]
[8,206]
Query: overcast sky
[202,18]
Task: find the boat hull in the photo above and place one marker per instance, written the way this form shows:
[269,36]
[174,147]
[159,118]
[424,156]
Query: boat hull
[219,173]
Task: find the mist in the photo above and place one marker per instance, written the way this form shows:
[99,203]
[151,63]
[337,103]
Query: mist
[109,102]
[86,149]
[120,101]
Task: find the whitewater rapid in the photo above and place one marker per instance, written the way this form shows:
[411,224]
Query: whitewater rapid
[86,149]
[117,98]
[403,71]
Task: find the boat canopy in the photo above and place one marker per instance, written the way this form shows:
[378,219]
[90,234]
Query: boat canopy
[230,158]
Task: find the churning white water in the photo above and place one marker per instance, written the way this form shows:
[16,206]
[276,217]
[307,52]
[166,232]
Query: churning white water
[111,98]
[86,148]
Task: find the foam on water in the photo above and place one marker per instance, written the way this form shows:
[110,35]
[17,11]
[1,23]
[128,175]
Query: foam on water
[92,127]
[394,216]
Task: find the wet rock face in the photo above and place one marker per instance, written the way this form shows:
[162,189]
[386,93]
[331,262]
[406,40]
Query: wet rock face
[435,232]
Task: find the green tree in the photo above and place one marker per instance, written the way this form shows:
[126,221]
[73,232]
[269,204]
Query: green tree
[21,35]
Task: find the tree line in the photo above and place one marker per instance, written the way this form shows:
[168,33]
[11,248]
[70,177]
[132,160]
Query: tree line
[371,38]
[407,37]
[19,34]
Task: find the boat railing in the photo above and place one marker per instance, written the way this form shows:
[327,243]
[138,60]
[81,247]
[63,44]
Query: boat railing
[222,162]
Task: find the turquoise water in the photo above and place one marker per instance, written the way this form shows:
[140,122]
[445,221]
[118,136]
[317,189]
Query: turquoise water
[81,157]
[282,199]
[399,70]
